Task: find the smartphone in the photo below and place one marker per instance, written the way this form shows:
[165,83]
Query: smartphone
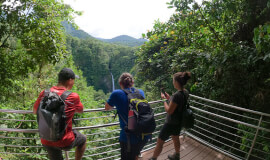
[162,90]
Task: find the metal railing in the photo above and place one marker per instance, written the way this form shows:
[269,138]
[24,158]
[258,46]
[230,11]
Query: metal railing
[19,137]
[234,131]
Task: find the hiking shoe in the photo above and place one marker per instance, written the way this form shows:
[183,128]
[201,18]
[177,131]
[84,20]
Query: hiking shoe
[175,156]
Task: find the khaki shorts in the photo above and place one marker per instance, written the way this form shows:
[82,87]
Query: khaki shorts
[56,152]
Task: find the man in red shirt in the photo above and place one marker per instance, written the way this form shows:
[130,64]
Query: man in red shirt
[66,78]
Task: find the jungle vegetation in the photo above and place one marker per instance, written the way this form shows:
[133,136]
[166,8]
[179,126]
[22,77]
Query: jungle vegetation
[224,44]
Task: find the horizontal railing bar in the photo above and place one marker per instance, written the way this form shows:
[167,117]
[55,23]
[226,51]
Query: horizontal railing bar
[218,141]
[19,130]
[158,101]
[103,139]
[16,111]
[230,126]
[98,133]
[78,119]
[158,107]
[103,109]
[265,122]
[223,124]
[232,120]
[97,154]
[160,119]
[103,146]
[76,128]
[86,110]
[110,157]
[263,137]
[97,110]
[227,125]
[221,136]
[222,130]
[231,106]
[18,137]
[160,114]
[91,149]
[261,151]
[16,146]
[258,157]
[96,126]
[228,132]
[18,120]
[214,147]
[226,111]
[23,154]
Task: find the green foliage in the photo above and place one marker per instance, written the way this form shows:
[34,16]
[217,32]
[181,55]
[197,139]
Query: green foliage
[31,36]
[224,44]
[27,91]
[97,59]
[211,41]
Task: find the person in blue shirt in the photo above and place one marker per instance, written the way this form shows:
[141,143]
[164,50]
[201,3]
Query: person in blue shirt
[119,99]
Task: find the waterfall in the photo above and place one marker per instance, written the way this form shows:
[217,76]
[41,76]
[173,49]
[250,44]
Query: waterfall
[112,82]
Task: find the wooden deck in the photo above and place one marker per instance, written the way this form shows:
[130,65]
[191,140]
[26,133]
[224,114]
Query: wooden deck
[190,150]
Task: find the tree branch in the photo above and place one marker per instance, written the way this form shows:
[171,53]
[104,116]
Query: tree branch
[3,44]
[210,27]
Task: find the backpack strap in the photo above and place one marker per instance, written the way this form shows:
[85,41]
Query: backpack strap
[127,91]
[47,91]
[65,95]
[185,101]
[122,118]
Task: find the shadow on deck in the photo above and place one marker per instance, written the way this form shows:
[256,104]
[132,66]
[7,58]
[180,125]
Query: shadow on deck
[190,150]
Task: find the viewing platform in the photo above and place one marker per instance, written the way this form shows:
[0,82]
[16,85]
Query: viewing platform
[221,131]
[190,150]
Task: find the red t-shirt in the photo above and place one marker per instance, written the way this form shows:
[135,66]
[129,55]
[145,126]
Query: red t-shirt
[73,104]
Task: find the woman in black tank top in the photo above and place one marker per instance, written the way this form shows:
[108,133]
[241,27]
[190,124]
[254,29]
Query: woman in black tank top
[172,126]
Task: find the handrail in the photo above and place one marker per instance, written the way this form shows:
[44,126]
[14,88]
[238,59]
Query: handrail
[234,131]
[88,130]
[232,120]
[231,106]
[213,127]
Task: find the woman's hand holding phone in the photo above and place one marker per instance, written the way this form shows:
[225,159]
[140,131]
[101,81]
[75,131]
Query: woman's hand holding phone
[164,95]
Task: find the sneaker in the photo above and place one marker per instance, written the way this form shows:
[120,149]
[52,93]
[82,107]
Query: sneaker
[175,156]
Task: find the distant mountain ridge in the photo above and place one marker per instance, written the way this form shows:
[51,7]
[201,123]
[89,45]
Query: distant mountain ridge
[75,33]
[124,40]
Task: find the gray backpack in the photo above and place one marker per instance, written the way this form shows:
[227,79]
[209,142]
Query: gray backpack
[51,116]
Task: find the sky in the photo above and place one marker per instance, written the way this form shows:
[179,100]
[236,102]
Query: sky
[110,18]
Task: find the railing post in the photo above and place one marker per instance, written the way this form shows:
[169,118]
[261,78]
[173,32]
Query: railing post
[66,154]
[254,140]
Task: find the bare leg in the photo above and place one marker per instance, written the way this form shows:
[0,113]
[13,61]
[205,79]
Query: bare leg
[80,151]
[158,148]
[176,143]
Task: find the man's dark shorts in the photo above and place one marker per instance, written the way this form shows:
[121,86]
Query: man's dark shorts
[135,150]
[168,130]
[56,152]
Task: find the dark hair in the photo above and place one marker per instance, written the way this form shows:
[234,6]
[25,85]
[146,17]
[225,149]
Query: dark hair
[126,80]
[66,74]
[182,77]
